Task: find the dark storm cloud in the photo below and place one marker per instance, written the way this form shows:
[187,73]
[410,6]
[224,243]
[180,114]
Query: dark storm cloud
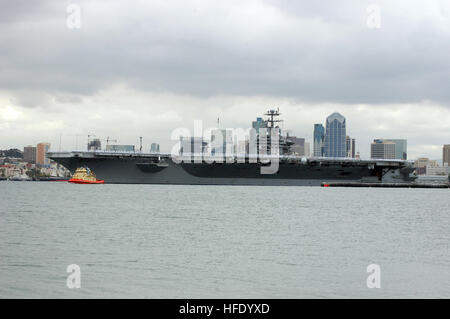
[312,52]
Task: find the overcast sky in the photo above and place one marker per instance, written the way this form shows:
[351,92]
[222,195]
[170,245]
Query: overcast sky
[143,68]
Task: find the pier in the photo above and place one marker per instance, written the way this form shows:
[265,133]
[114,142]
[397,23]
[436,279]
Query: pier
[386,185]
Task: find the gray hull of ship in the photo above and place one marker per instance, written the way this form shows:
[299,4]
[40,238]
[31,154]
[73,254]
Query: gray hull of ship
[137,170]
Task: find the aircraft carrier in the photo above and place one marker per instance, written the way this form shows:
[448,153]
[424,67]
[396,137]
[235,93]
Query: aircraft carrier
[249,168]
[142,168]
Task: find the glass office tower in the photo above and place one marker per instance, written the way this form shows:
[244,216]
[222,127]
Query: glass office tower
[335,145]
[319,135]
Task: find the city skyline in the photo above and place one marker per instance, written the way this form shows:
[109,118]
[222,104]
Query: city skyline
[380,148]
[164,78]
[400,153]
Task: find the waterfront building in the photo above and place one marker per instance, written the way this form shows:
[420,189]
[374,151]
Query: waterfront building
[29,154]
[94,145]
[422,163]
[120,148]
[400,147]
[222,142]
[335,136]
[154,148]
[319,135]
[192,145]
[380,149]
[438,170]
[350,144]
[41,156]
[446,155]
[242,147]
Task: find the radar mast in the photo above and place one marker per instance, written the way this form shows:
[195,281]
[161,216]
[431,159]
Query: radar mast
[273,114]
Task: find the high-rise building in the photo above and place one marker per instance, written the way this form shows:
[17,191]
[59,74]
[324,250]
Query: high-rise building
[353,147]
[259,123]
[154,148]
[446,155]
[222,142]
[41,156]
[335,136]
[193,147]
[380,149]
[319,135]
[29,154]
[242,147]
[307,149]
[400,147]
[94,145]
[350,146]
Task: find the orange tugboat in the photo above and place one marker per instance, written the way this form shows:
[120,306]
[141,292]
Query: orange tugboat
[84,175]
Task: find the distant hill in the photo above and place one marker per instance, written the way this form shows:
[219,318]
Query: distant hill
[13,152]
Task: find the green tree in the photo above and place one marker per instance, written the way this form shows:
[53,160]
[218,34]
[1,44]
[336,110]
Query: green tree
[33,173]
[30,173]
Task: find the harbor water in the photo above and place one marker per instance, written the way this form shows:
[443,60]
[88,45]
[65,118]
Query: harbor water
[167,241]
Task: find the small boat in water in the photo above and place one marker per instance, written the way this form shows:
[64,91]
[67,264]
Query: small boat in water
[84,175]
[20,178]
